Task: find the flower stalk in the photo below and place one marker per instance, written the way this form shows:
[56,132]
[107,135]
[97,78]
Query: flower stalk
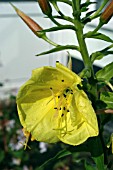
[80,37]
[97,13]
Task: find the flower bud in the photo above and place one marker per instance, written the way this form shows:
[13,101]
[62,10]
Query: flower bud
[107,14]
[45,7]
[29,22]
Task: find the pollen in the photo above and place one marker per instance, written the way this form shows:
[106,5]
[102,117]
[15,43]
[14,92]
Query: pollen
[64,95]
[64,108]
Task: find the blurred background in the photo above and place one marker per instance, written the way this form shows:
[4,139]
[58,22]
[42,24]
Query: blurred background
[18,49]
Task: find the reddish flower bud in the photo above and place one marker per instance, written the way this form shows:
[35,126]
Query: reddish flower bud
[45,7]
[29,22]
[108,13]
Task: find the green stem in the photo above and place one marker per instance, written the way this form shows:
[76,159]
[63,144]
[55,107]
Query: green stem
[109,84]
[80,37]
[97,28]
[66,18]
[89,72]
[54,21]
[107,48]
[97,154]
[83,47]
[99,10]
[56,7]
[89,34]
[66,1]
[49,41]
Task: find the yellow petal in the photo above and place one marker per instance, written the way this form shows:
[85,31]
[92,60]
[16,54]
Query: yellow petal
[39,120]
[45,77]
[69,74]
[82,123]
[37,100]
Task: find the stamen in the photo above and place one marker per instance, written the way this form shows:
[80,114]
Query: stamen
[27,135]
[64,95]
[61,109]
[71,91]
[53,95]
[67,90]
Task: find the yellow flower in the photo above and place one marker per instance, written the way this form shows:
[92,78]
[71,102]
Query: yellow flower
[52,108]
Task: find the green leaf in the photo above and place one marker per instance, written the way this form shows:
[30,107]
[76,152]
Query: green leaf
[17,154]
[59,155]
[86,4]
[59,48]
[96,150]
[62,27]
[99,162]
[64,1]
[98,36]
[2,155]
[98,55]
[106,73]
[87,17]
[107,97]
[89,167]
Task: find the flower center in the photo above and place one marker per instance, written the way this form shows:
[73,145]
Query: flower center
[61,106]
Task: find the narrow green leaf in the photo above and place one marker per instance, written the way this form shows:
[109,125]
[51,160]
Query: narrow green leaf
[90,13]
[96,150]
[99,162]
[86,4]
[2,155]
[62,27]
[107,97]
[60,154]
[64,1]
[106,73]
[87,19]
[59,48]
[98,36]
[98,55]
[89,167]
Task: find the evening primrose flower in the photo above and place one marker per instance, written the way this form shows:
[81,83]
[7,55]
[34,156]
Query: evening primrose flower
[51,108]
